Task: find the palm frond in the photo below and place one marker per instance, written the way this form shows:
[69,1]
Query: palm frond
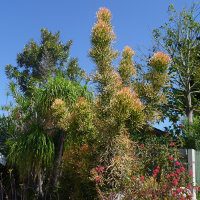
[62,88]
[31,151]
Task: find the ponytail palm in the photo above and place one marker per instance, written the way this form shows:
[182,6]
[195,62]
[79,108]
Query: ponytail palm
[31,151]
[58,93]
[59,88]
[35,152]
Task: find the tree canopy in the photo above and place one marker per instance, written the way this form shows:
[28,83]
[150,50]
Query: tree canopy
[37,62]
[179,37]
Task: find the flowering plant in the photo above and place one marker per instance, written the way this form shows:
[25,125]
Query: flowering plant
[152,171]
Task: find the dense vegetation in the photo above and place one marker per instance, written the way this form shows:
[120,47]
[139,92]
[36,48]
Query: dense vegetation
[63,142]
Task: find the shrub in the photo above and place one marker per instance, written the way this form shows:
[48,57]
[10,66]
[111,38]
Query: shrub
[149,170]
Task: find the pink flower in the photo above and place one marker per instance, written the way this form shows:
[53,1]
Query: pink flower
[157,167]
[182,198]
[154,176]
[98,179]
[177,163]
[174,194]
[175,182]
[133,178]
[164,186]
[166,135]
[172,144]
[191,195]
[182,169]
[189,186]
[135,166]
[156,171]
[175,175]
[168,176]
[96,169]
[101,169]
[142,178]
[18,116]
[179,190]
[178,171]
[172,175]
[191,173]
[142,145]
[181,125]
[170,158]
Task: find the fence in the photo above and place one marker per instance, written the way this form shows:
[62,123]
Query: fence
[192,157]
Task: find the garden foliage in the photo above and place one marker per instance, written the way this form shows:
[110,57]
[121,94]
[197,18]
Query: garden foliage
[67,144]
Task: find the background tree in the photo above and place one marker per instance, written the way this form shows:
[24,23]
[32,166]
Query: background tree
[180,39]
[38,61]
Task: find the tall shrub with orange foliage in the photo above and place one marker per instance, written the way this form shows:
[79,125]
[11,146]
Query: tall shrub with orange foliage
[100,160]
[123,106]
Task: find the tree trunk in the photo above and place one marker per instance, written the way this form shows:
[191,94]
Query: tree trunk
[189,109]
[58,158]
[40,184]
[190,116]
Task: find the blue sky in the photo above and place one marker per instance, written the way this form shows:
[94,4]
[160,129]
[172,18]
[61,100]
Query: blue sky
[21,20]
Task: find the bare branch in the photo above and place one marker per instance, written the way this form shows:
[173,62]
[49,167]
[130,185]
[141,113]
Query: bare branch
[194,92]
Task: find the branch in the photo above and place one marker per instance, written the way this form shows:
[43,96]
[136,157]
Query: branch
[195,83]
[177,89]
[181,102]
[175,109]
[181,95]
[161,44]
[181,77]
[177,81]
[194,92]
[196,110]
